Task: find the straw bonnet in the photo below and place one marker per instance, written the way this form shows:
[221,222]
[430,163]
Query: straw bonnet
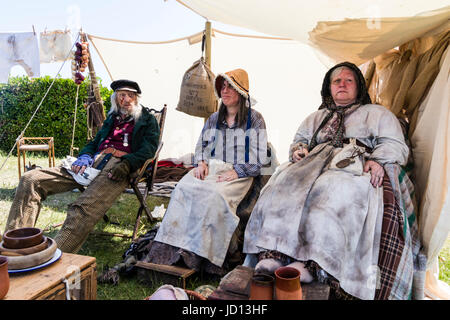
[238,79]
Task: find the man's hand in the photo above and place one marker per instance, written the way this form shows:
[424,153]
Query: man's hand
[120,171]
[201,171]
[376,172]
[299,154]
[229,175]
[83,161]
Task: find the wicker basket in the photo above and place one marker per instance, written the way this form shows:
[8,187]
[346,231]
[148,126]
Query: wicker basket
[194,295]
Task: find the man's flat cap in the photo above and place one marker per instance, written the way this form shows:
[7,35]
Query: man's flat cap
[125,85]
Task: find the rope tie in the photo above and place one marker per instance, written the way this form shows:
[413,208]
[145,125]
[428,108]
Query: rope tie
[74,120]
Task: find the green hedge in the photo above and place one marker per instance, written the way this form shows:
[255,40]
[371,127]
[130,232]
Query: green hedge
[19,99]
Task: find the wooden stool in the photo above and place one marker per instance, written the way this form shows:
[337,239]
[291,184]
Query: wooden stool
[35,144]
[149,273]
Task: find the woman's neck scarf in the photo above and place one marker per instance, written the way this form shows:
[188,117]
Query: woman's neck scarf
[328,103]
[337,139]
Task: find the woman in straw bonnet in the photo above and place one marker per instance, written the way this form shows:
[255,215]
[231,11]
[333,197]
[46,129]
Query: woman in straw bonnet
[201,217]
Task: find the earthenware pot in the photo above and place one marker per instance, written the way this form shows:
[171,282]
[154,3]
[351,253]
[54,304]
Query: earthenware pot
[287,284]
[4,277]
[261,287]
[22,238]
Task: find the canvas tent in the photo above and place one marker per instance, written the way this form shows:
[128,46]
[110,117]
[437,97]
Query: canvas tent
[389,37]
[275,78]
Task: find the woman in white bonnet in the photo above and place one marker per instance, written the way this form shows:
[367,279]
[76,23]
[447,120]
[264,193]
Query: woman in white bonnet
[331,211]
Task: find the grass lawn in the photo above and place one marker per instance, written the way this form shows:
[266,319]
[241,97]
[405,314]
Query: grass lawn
[108,250]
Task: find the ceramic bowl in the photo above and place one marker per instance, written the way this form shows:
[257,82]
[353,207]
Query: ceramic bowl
[22,238]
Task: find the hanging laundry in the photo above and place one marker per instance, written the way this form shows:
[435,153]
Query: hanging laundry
[55,46]
[19,48]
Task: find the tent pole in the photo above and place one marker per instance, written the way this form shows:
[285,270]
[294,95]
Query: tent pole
[207,47]
[208,43]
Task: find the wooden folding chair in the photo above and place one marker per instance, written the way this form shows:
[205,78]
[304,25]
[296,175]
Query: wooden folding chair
[147,173]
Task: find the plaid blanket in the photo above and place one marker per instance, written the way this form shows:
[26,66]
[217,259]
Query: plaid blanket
[407,282]
[391,242]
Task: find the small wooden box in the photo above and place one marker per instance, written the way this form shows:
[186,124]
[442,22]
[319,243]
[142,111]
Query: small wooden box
[48,283]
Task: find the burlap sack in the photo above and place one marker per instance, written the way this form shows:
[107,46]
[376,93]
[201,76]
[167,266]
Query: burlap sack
[197,96]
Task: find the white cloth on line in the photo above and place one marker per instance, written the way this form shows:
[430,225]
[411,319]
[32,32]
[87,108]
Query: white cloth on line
[19,49]
[55,46]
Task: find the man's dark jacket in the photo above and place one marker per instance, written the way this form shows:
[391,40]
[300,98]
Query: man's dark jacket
[144,139]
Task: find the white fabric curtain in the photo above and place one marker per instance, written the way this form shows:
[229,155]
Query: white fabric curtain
[285,78]
[431,141]
[158,68]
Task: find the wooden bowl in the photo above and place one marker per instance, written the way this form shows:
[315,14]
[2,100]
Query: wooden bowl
[21,252]
[34,259]
[22,238]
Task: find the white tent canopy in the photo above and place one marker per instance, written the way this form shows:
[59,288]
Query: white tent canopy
[286,77]
[358,31]
[367,28]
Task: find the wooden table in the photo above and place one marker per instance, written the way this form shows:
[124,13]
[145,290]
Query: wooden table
[49,283]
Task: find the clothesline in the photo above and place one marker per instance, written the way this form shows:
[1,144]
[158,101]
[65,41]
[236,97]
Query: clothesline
[40,103]
[194,38]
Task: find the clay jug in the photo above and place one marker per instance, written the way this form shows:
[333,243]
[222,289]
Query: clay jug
[287,284]
[261,287]
[4,277]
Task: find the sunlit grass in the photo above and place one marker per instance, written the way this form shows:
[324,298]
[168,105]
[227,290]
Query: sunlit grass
[107,250]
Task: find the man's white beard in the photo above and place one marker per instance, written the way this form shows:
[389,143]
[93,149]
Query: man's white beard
[135,112]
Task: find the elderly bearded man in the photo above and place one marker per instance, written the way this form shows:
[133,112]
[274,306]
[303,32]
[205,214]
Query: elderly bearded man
[128,137]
